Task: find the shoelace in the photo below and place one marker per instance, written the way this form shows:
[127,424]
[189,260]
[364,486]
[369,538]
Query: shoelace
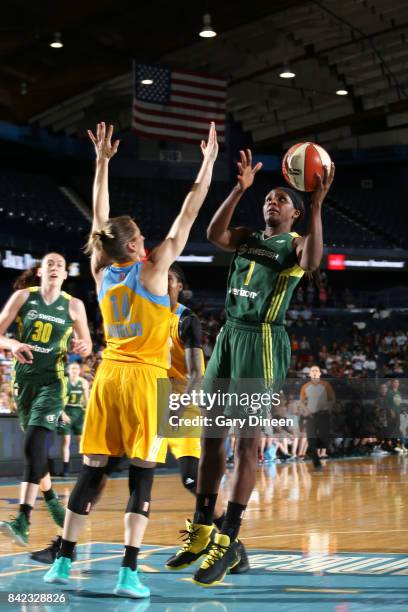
[188,536]
[216,552]
[14,519]
[18,520]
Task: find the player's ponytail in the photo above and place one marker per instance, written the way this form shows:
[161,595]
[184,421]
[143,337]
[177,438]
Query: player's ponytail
[28,278]
[111,239]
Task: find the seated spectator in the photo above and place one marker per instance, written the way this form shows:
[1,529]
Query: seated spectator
[300,295]
[323,354]
[294,343]
[322,297]
[381,313]
[401,338]
[310,294]
[306,315]
[370,365]
[304,344]
[292,315]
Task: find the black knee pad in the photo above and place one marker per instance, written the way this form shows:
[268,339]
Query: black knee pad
[188,473]
[85,491]
[140,488]
[35,464]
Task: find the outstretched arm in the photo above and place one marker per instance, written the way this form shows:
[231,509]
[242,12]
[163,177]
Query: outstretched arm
[104,151]
[219,232]
[309,249]
[82,342]
[172,246]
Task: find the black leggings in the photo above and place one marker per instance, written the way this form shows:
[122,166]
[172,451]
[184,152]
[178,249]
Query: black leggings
[188,473]
[35,454]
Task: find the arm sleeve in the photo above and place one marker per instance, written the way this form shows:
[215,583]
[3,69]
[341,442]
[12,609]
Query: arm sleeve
[190,330]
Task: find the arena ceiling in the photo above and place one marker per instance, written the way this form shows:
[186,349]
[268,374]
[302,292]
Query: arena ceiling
[361,45]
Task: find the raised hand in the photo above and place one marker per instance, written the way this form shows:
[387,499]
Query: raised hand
[209,149]
[104,149]
[322,185]
[246,173]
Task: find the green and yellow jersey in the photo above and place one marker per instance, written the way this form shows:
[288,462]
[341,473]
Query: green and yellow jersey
[76,394]
[263,276]
[47,328]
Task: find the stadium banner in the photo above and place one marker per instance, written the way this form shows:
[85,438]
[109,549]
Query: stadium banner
[343,261]
[23,261]
[337,261]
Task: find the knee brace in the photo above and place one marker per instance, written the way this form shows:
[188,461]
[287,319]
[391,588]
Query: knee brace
[85,491]
[140,488]
[35,465]
[188,473]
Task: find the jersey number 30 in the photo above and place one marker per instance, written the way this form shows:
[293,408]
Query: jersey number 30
[42,332]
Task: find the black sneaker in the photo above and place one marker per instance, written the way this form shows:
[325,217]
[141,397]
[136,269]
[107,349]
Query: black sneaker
[197,540]
[243,565]
[317,462]
[49,554]
[222,556]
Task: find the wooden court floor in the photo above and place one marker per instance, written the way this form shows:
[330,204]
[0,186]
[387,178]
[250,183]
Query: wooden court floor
[352,505]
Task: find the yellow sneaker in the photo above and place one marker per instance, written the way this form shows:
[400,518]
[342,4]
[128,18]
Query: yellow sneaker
[197,540]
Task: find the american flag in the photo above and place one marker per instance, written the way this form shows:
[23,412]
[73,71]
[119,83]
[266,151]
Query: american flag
[178,105]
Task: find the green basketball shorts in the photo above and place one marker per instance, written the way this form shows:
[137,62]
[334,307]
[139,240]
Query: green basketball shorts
[248,359]
[76,414]
[40,403]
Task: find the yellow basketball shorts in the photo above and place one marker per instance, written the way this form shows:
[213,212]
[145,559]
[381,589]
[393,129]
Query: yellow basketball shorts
[121,415]
[184,447]
[188,446]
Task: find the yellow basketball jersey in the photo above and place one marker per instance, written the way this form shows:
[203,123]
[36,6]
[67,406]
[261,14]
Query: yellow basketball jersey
[136,322]
[178,368]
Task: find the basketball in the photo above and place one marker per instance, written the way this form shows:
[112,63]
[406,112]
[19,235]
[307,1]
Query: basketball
[301,162]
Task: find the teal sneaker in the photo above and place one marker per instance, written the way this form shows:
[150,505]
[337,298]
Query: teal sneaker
[59,571]
[129,584]
[57,511]
[17,529]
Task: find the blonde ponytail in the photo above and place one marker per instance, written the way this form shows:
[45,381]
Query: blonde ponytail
[111,239]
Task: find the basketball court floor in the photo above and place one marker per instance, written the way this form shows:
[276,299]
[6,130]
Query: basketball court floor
[335,540]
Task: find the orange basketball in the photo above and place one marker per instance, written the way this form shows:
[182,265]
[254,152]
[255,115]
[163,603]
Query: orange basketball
[302,162]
